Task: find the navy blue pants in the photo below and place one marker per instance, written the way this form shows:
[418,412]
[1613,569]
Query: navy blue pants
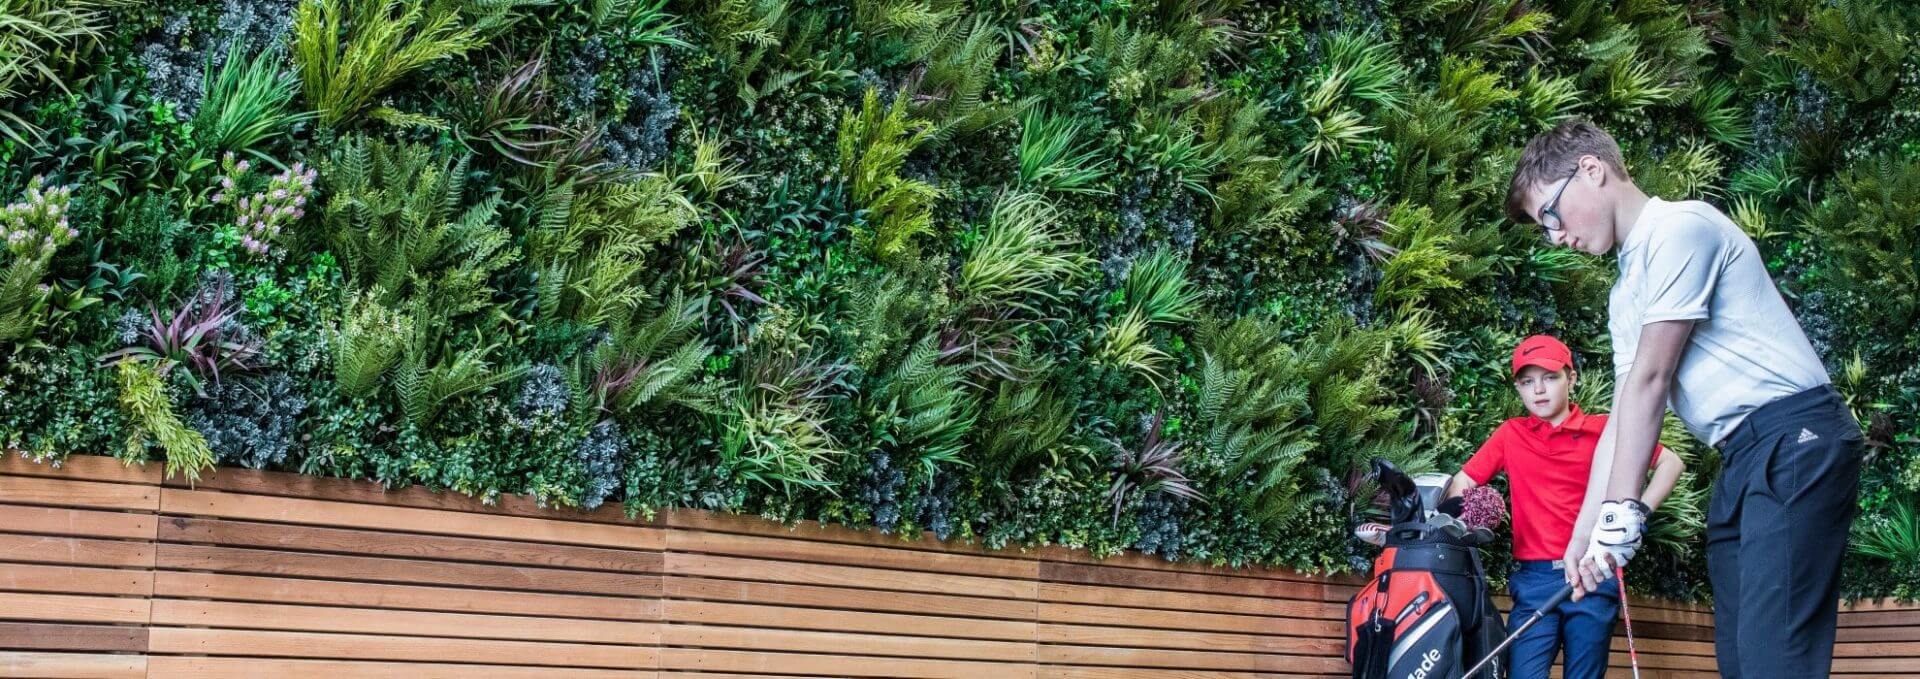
[1776,531]
[1584,628]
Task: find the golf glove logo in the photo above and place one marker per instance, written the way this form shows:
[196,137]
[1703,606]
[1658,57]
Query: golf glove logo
[1617,534]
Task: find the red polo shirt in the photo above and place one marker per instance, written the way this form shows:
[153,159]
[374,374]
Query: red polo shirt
[1546,470]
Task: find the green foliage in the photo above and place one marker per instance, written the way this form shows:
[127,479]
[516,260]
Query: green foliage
[35,37]
[1870,224]
[1022,258]
[349,51]
[395,216]
[1857,47]
[246,103]
[33,231]
[143,395]
[874,144]
[1055,156]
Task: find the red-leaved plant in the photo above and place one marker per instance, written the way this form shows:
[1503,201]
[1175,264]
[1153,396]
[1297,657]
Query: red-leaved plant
[193,335]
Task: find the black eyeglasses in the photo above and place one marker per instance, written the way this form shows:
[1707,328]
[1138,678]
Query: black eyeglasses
[1552,208]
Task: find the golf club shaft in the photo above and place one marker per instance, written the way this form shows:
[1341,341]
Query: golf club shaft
[1565,591]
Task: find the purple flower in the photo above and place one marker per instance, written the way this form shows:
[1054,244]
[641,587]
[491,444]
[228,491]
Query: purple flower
[242,166]
[1483,508]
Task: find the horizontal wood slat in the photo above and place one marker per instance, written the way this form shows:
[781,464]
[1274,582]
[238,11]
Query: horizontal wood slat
[177,667]
[380,569]
[397,648]
[76,522]
[404,519]
[65,492]
[228,587]
[411,623]
[63,637]
[72,665]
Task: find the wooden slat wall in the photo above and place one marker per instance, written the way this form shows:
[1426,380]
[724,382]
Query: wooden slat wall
[109,571]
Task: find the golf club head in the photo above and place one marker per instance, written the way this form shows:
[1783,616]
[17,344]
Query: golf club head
[1403,498]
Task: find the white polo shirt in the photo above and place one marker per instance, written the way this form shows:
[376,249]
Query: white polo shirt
[1687,260]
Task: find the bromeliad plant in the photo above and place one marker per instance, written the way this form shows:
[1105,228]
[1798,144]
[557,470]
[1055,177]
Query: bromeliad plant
[201,334]
[1151,468]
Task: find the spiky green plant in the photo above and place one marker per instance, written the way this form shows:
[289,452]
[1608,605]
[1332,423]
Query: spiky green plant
[35,36]
[349,51]
[1174,147]
[1894,537]
[1546,99]
[776,435]
[1151,468]
[873,144]
[905,30]
[1358,66]
[1770,178]
[1125,343]
[1023,256]
[1157,287]
[1334,132]
[246,102]
[1692,169]
[1631,85]
[1719,113]
[1055,156]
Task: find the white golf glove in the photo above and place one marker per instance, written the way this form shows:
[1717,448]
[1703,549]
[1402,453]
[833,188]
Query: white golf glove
[1616,535]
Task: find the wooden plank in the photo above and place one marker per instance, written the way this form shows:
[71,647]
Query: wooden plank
[1183,582]
[77,551]
[70,608]
[66,492]
[75,580]
[721,522]
[380,543]
[708,660]
[1190,601]
[290,618]
[405,519]
[381,569]
[1876,635]
[1900,649]
[177,667]
[706,565]
[31,636]
[77,522]
[72,665]
[82,467]
[1887,618]
[1197,660]
[398,648]
[283,484]
[1081,635]
[783,549]
[763,639]
[721,613]
[226,587]
[1075,614]
[1071,672]
[855,599]
[1905,666]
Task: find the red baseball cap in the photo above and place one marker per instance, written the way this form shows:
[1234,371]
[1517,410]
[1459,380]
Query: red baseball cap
[1543,351]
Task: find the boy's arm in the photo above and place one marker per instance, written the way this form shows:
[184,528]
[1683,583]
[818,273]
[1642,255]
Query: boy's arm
[1460,485]
[1666,473]
[1619,466]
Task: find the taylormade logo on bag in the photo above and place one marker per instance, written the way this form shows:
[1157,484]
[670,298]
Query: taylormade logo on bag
[1426,664]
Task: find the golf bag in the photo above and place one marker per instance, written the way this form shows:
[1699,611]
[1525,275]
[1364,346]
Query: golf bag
[1427,613]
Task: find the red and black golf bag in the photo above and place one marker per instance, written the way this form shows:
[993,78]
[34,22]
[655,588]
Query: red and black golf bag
[1427,613]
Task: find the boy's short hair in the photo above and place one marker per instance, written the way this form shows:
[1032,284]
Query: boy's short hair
[1550,156]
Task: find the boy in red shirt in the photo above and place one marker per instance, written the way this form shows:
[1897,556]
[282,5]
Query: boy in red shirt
[1547,457]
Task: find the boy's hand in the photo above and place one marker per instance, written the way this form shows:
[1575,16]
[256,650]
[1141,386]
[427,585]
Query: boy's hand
[1616,538]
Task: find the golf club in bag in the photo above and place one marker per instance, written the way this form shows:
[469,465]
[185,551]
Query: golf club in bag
[1427,613]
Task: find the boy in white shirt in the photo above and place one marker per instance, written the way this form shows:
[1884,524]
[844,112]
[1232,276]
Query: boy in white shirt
[1697,324]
